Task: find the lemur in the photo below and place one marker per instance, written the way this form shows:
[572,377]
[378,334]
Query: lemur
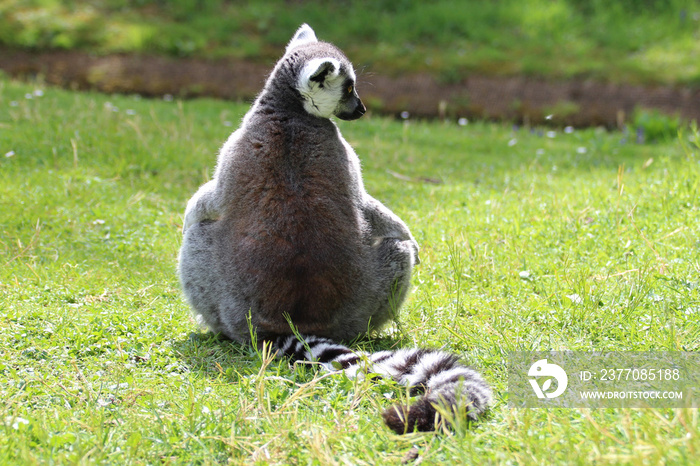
[286,232]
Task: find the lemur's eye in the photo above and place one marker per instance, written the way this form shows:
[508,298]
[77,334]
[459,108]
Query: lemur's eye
[350,88]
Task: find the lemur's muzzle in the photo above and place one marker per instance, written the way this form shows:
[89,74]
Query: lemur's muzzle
[355,113]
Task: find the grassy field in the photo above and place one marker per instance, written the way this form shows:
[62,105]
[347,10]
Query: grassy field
[633,41]
[100,361]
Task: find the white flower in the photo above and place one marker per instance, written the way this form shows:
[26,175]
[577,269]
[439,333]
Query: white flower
[16,421]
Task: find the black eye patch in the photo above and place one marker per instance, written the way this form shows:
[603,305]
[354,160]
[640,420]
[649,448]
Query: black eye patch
[349,86]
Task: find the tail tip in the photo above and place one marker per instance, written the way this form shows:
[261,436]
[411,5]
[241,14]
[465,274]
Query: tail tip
[422,416]
[419,416]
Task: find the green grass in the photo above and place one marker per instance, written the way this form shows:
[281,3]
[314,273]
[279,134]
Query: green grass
[100,361]
[634,41]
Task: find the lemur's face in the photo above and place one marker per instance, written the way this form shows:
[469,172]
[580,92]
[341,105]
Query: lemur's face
[326,81]
[328,89]
[350,106]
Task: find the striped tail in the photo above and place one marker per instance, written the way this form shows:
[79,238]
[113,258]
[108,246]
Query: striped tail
[439,375]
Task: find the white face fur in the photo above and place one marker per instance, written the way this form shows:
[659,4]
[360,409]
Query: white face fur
[322,86]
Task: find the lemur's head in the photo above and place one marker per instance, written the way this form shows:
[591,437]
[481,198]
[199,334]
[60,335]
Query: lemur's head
[325,77]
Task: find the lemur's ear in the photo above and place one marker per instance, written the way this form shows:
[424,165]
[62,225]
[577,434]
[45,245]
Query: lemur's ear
[304,35]
[320,70]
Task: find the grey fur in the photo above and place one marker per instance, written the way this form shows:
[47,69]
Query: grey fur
[286,226]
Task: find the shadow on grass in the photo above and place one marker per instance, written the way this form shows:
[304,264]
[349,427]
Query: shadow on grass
[214,355]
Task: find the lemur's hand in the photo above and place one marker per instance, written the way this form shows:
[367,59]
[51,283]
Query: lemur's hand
[416,250]
[201,206]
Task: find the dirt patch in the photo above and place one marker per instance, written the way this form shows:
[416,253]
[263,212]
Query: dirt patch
[518,99]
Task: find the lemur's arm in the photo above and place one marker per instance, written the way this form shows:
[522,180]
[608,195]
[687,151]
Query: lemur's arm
[386,224]
[202,206]
[383,221]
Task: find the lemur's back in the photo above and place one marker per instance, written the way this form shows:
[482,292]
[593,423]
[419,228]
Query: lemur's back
[292,233]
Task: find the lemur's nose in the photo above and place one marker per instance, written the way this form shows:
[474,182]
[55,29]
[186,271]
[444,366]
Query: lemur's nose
[360,109]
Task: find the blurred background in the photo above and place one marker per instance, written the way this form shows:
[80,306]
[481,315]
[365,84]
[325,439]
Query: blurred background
[559,62]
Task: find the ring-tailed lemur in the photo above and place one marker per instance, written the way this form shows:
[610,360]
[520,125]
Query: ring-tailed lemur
[286,232]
